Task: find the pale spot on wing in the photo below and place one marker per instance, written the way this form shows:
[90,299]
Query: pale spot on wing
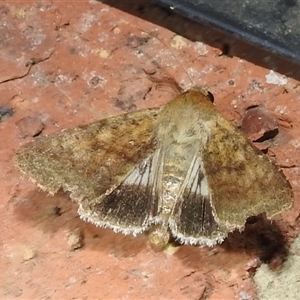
[146,173]
[191,182]
[204,191]
[140,174]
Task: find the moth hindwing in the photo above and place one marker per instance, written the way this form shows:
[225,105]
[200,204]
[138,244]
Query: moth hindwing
[180,170]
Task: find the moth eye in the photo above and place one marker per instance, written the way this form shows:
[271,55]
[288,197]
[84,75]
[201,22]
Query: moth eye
[210,96]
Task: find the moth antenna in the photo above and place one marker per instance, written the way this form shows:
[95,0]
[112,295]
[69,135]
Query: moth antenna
[169,81]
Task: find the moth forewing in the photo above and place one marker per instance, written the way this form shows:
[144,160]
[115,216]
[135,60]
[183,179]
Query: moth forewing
[192,220]
[243,181]
[132,206]
[89,160]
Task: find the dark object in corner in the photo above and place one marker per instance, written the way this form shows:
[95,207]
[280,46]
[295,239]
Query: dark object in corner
[274,27]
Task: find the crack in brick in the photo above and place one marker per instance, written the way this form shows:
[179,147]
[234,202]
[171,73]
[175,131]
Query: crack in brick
[32,62]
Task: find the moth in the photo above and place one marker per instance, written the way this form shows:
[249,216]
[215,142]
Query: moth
[180,171]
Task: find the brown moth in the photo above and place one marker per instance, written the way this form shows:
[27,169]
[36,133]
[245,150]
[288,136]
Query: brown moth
[181,170]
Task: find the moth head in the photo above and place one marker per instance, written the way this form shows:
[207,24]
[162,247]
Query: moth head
[204,91]
[196,101]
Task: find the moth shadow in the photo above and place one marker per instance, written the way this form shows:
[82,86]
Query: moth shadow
[51,214]
[261,239]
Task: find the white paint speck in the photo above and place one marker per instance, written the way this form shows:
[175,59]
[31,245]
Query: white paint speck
[282,109]
[200,48]
[72,279]
[295,143]
[178,42]
[274,78]
[244,295]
